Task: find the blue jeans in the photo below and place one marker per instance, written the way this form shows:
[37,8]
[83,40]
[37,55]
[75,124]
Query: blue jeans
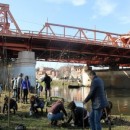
[95,117]
[55,117]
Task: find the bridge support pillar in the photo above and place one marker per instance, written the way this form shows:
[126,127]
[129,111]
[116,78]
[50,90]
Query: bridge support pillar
[86,81]
[26,64]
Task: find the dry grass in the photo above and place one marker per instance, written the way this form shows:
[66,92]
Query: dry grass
[40,122]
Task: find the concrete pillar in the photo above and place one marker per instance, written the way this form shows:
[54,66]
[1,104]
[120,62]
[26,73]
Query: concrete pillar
[26,64]
[86,81]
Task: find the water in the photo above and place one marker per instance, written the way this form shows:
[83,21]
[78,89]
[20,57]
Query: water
[119,97]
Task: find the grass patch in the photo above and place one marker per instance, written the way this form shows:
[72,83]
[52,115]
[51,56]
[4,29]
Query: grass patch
[40,121]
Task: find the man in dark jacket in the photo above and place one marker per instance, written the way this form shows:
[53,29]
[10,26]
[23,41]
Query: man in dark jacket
[18,88]
[98,99]
[47,79]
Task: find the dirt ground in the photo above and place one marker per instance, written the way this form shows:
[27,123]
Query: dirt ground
[40,121]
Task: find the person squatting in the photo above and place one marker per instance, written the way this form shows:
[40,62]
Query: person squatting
[56,112]
[36,103]
[9,103]
[79,115]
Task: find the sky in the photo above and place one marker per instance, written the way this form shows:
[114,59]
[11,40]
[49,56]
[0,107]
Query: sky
[106,15]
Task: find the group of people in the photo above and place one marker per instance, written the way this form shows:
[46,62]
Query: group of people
[56,112]
[80,115]
[21,87]
[11,104]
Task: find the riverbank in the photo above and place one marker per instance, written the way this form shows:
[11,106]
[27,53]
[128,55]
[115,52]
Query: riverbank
[40,121]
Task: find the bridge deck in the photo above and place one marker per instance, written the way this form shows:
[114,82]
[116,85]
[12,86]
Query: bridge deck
[63,43]
[62,49]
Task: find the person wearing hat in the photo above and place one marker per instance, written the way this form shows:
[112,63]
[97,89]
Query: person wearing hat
[78,114]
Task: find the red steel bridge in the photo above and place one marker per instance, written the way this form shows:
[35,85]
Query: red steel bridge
[61,43]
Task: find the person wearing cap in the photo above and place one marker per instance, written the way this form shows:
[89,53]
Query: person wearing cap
[78,114]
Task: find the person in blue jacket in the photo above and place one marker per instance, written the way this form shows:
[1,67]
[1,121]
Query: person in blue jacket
[25,87]
[36,103]
[9,103]
[98,98]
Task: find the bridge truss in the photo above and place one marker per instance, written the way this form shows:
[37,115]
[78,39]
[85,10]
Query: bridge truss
[61,43]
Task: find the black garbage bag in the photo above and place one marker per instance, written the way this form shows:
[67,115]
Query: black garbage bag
[20,127]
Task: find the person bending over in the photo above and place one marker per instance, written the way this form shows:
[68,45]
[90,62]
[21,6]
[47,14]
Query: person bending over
[56,112]
[79,115]
[12,105]
[35,104]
